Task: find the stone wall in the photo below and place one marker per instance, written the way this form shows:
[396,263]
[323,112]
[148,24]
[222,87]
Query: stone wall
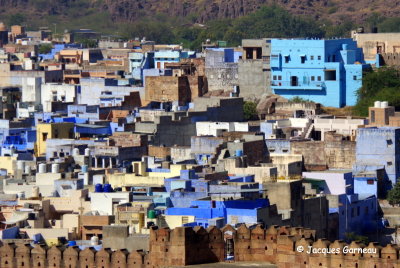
[160,152]
[172,88]
[184,246]
[168,88]
[319,155]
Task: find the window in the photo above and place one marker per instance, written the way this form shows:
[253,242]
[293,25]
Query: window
[389,163]
[358,211]
[319,78]
[354,77]
[287,59]
[303,59]
[319,57]
[312,78]
[389,142]
[294,81]
[330,75]
[371,182]
[44,136]
[311,57]
[279,77]
[274,77]
[372,116]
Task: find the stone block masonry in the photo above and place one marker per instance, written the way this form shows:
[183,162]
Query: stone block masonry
[283,246]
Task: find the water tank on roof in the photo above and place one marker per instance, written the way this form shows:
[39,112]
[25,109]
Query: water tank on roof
[84,168]
[377,104]
[71,243]
[107,188]
[20,165]
[75,152]
[55,168]
[35,192]
[98,188]
[384,104]
[151,214]
[239,153]
[27,169]
[87,152]
[94,241]
[42,168]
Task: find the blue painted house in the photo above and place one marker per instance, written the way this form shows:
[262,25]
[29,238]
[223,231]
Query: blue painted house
[324,71]
[233,211]
[378,148]
[166,56]
[357,214]
[138,62]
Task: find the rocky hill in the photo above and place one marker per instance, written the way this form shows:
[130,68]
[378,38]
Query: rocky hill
[202,10]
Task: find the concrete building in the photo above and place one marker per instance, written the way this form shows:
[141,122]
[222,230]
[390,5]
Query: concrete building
[57,93]
[165,56]
[381,114]
[378,148]
[31,89]
[139,61]
[233,211]
[46,131]
[3,34]
[334,182]
[254,68]
[92,89]
[216,128]
[344,126]
[221,69]
[387,45]
[324,71]
[104,202]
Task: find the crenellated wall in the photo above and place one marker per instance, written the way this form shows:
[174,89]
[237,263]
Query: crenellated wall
[186,245]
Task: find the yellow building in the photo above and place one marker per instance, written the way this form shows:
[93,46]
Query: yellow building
[46,131]
[8,163]
[140,177]
[174,221]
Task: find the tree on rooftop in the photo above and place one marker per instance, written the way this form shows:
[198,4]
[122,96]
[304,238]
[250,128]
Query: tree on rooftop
[393,196]
[45,48]
[249,110]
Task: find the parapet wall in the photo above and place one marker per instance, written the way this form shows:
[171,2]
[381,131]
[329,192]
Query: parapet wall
[283,246]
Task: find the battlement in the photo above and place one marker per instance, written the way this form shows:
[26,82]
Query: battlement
[283,246]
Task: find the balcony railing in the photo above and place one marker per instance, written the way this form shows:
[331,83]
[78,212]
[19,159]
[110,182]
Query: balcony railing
[299,85]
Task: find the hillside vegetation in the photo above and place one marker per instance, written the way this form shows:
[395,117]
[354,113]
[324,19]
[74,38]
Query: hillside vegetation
[185,21]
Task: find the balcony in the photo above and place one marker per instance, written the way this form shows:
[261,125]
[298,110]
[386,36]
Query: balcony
[288,85]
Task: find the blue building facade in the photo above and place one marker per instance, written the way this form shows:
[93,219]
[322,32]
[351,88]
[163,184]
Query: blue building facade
[232,211]
[166,56]
[138,62]
[378,148]
[357,215]
[324,71]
